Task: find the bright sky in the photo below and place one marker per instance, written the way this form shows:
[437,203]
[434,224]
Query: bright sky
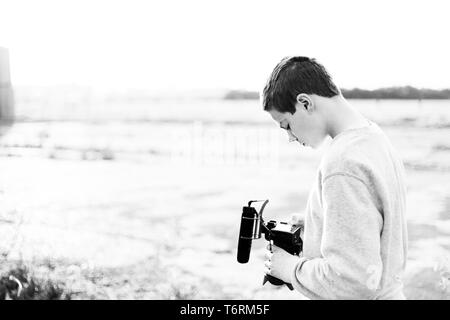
[183,45]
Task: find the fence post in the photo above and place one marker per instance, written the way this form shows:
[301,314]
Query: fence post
[6,91]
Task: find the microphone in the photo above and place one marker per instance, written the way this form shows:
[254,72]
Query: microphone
[248,220]
[250,229]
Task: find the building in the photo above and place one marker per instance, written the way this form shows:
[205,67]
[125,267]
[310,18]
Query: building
[6,91]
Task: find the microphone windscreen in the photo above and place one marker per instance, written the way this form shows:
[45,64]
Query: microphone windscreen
[245,234]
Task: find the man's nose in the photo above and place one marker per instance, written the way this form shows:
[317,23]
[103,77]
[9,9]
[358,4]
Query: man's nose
[291,136]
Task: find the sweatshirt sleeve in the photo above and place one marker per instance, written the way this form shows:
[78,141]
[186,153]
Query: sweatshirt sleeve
[350,266]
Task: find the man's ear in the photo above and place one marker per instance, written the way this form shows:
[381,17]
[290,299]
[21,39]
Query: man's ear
[306,101]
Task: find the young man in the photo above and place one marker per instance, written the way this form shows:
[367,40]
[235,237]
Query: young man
[355,236]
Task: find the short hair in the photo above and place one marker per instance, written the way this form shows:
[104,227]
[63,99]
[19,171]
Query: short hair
[292,76]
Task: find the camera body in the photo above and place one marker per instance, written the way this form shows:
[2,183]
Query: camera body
[285,236]
[281,234]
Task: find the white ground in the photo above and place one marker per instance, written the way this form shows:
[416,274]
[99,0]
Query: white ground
[113,194]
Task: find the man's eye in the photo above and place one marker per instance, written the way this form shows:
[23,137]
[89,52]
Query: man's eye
[284,127]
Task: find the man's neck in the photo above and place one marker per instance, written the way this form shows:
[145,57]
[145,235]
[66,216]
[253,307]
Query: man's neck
[341,116]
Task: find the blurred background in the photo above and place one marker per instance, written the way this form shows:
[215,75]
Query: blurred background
[132,135]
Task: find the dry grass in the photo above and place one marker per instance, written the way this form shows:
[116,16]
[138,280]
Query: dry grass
[64,280]
[17,282]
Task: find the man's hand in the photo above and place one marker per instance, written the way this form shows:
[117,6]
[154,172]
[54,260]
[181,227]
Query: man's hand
[298,219]
[279,263]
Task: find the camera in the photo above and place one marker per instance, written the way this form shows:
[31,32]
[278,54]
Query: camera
[281,234]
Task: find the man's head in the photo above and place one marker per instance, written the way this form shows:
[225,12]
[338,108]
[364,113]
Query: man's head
[293,95]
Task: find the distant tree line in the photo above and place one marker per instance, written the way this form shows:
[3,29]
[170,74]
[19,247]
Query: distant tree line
[241,94]
[406,92]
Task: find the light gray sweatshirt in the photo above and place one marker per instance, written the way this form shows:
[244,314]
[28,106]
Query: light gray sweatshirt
[355,236]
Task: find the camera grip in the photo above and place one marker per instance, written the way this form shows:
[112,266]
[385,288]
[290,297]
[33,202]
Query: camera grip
[276,281]
[289,248]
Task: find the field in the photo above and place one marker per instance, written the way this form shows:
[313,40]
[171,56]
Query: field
[143,200]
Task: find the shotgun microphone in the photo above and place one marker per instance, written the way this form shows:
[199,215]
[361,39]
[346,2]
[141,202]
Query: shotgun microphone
[250,229]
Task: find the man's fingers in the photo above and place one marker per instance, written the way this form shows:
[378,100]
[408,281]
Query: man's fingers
[275,248]
[272,247]
[297,219]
